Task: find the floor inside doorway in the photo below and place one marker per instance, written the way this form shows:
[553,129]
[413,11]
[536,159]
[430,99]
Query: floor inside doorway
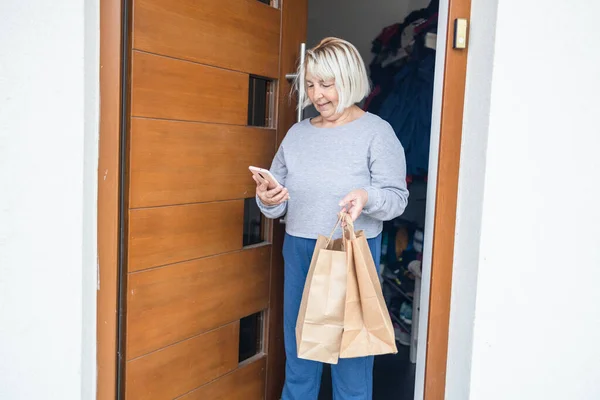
[393,377]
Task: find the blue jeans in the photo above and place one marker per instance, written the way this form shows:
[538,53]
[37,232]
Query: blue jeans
[352,377]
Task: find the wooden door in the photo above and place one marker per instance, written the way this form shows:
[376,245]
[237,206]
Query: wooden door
[204,275]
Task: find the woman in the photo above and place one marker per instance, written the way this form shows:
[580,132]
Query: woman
[344,159]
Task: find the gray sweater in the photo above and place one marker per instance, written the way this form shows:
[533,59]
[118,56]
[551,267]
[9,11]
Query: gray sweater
[320,166]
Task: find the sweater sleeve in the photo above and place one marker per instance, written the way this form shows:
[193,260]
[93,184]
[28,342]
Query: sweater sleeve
[388,194]
[279,171]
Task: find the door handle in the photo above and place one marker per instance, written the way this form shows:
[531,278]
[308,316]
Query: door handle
[294,76]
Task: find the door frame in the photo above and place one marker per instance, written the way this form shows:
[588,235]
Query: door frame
[444,218]
[448,122]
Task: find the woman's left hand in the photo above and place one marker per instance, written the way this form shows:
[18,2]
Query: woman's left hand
[354,202]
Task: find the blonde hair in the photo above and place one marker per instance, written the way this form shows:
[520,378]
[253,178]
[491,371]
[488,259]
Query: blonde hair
[336,59]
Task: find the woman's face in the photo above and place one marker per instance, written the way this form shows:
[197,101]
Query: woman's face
[323,95]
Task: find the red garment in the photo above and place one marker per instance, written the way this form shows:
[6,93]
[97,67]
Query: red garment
[374,93]
[429,21]
[387,33]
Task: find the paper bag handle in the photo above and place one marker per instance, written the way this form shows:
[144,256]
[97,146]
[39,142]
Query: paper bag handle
[349,227]
[339,221]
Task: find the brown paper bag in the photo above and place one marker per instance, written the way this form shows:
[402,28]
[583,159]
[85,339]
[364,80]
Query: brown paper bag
[368,329]
[321,318]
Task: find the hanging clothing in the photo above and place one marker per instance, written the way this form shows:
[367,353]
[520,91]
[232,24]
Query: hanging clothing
[402,73]
[408,110]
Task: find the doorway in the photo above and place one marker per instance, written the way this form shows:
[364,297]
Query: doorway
[116,105]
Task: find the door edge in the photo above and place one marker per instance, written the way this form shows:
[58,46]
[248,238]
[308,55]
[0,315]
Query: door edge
[109,175]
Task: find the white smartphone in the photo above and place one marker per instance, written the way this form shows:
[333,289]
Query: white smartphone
[264,175]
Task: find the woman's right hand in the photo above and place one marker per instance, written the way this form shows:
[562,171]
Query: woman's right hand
[271,197]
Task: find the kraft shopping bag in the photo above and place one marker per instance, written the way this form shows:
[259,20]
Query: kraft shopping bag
[368,329]
[320,321]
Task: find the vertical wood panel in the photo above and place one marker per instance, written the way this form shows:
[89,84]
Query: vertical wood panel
[183,162]
[173,89]
[179,368]
[172,303]
[242,35]
[445,209]
[165,235]
[108,197]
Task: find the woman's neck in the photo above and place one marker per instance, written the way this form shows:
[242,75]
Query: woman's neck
[348,115]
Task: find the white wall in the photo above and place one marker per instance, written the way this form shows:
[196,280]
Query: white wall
[532,135]
[48,163]
[357,21]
